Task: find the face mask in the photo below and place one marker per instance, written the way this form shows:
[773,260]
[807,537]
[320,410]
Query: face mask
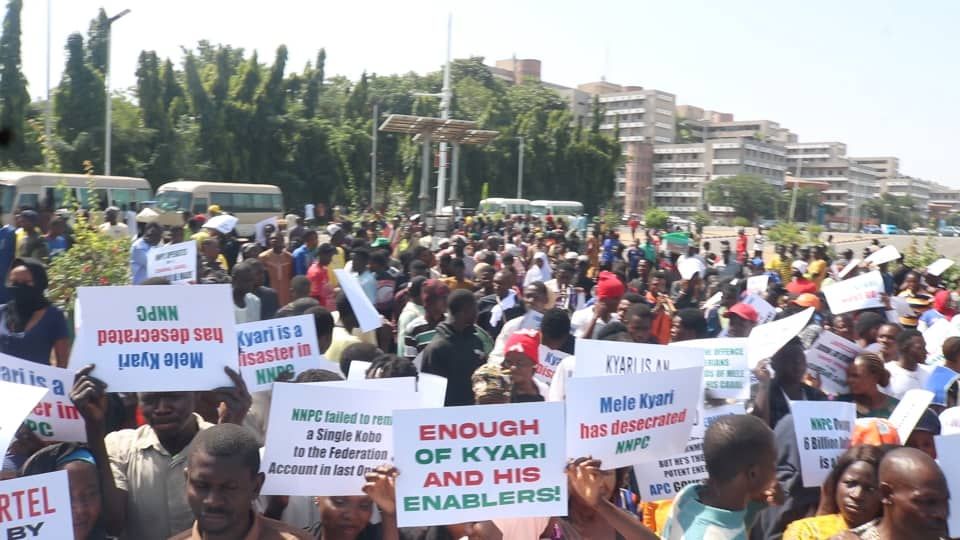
[27,298]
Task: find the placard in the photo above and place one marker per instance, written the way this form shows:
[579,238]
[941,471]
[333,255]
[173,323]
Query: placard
[465,464]
[849,268]
[883,255]
[725,371]
[757,284]
[549,362]
[765,312]
[429,390]
[177,263]
[321,441]
[358,370]
[935,334]
[908,412]
[157,339]
[285,345]
[939,266]
[37,507]
[823,429]
[366,314]
[948,446]
[710,415]
[16,402]
[860,292]
[597,357]
[432,390]
[54,418]
[260,230]
[632,419]
[765,340]
[828,358]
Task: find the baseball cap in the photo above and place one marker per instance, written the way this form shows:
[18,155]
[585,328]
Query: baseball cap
[799,265]
[333,229]
[214,209]
[744,311]
[874,432]
[808,300]
[928,422]
[525,341]
[433,289]
[570,255]
[380,242]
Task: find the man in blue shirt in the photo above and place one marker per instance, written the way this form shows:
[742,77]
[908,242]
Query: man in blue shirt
[8,247]
[303,256]
[138,251]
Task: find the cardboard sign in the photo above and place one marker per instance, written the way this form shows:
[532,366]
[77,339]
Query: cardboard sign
[37,507]
[948,446]
[366,314]
[260,230]
[725,371]
[939,266]
[908,412]
[432,390]
[596,358]
[849,268]
[710,414]
[765,312]
[829,357]
[321,441]
[765,340]
[286,345]
[157,339]
[358,370]
[861,292]
[632,419]
[549,362]
[54,418]
[883,255]
[464,464]
[177,263]
[428,390]
[16,402]
[757,284]
[823,432]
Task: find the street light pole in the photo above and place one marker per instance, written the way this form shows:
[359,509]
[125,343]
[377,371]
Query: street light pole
[445,96]
[796,185]
[373,158]
[520,171]
[108,127]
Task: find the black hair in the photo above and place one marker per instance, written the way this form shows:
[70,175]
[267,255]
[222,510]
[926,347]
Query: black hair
[555,323]
[734,443]
[632,298]
[566,267]
[416,286]
[364,352]
[639,310]
[905,336]
[379,258]
[457,263]
[322,320]
[539,286]
[308,234]
[868,321]
[418,267]
[459,300]
[155,280]
[300,285]
[344,307]
[614,331]
[866,453]
[229,440]
[317,375]
[45,460]
[692,319]
[361,252]
[388,366]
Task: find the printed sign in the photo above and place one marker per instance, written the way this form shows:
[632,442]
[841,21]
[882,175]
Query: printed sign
[828,358]
[632,419]
[54,418]
[725,371]
[596,357]
[177,263]
[286,345]
[366,314]
[157,339]
[36,507]
[939,266]
[464,464]
[765,340]
[949,445]
[861,292]
[322,441]
[17,401]
[765,312]
[757,284]
[823,431]
[549,362]
[710,414]
[908,412]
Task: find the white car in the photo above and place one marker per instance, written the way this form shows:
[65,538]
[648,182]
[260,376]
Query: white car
[921,231]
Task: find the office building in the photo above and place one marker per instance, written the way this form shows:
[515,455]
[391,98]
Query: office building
[524,70]
[915,188]
[887,166]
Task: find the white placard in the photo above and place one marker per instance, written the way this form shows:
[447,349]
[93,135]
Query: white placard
[948,447]
[157,339]
[177,263]
[432,390]
[939,266]
[883,255]
[37,507]
[710,414]
[54,418]
[261,230]
[549,361]
[725,371]
[757,284]
[861,292]
[465,464]
[829,357]
[849,268]
[321,441]
[632,419]
[823,429]
[713,300]
[358,370]
[765,340]
[16,402]
[908,412]
[366,314]
[429,390]
[765,312]
[285,345]
[937,333]
[597,357]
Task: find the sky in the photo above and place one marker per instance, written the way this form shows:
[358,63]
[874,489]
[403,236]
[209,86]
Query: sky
[879,75]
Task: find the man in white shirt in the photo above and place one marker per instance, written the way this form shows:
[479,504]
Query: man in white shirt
[112,228]
[587,322]
[909,370]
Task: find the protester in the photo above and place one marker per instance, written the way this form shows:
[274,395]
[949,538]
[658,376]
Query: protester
[865,376]
[420,331]
[688,324]
[300,299]
[304,255]
[775,393]
[152,233]
[458,348]
[111,228]
[743,318]
[247,306]
[588,321]
[269,299]
[278,264]
[535,301]
[909,370]
[30,326]
[521,356]
[501,306]
[321,285]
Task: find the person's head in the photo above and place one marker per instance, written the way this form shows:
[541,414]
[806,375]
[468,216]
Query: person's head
[688,323]
[27,282]
[325,253]
[921,438]
[819,251]
[111,215]
[503,282]
[491,385]
[865,373]
[852,489]
[364,352]
[626,302]
[790,362]
[463,309]
[911,281]
[323,324]
[360,258]
[379,261]
[57,227]
[29,219]
[433,297]
[535,296]
[210,248]
[521,356]
[244,277]
[458,268]
[388,366]
[781,249]
[224,479]
[555,328]
[609,290]
[951,352]
[347,316]
[344,517]
[484,275]
[564,273]
[310,239]
[85,497]
[842,325]
[867,325]
[887,337]
[743,317]
[168,413]
[259,272]
[655,284]
[738,450]
[639,322]
[418,268]
[912,347]
[276,242]
[299,287]
[729,295]
[914,494]
[152,233]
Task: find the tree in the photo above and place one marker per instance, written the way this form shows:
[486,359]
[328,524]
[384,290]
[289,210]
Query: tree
[891,209]
[14,98]
[79,108]
[750,196]
[701,219]
[99,42]
[655,218]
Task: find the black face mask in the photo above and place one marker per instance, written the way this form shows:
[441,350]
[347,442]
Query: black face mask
[28,299]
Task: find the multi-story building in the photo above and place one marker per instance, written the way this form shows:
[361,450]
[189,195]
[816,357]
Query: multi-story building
[521,70]
[915,188]
[887,166]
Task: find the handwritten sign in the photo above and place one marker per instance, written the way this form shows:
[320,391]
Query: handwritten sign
[823,429]
[861,292]
[632,419]
[549,362]
[54,418]
[177,263]
[464,464]
[908,412]
[157,339]
[321,441]
[829,357]
[765,312]
[765,340]
[36,507]
[725,371]
[948,446]
[757,284]
[286,345]
[17,401]
[366,314]
[596,358]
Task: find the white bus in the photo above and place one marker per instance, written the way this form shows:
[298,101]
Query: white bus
[564,209]
[20,189]
[249,203]
[507,207]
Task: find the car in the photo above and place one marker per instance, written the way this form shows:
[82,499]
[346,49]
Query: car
[949,230]
[921,231]
[767,223]
[871,229]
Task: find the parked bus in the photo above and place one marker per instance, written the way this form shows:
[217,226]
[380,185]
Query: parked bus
[20,189]
[564,209]
[249,203]
[507,207]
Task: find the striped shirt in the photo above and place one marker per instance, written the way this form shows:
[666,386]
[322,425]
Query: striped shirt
[419,333]
[690,519]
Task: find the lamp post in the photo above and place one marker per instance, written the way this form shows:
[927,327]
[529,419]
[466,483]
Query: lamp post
[108,131]
[520,170]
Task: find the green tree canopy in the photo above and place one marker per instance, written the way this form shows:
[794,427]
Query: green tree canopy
[750,196]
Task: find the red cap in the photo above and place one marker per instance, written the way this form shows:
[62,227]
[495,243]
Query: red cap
[744,311]
[609,286]
[526,341]
[433,288]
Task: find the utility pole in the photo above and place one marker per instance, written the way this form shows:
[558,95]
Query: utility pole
[445,95]
[373,157]
[520,171]
[796,185]
[108,127]
[48,117]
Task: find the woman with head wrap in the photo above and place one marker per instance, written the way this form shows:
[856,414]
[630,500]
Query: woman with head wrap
[30,327]
[85,496]
[539,269]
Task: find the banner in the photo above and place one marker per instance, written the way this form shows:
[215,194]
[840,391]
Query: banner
[725,371]
[322,441]
[54,418]
[765,312]
[949,445]
[856,293]
[366,314]
[596,357]
[829,357]
[17,401]
[177,263]
[157,339]
[465,464]
[286,345]
[765,340]
[632,419]
[36,507]
[823,431]
[757,284]
[549,362]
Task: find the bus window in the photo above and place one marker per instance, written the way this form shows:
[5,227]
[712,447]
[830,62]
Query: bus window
[200,205]
[122,197]
[6,198]
[223,200]
[276,202]
[29,200]
[60,195]
[143,195]
[173,200]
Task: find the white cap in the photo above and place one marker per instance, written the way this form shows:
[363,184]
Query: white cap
[799,265]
